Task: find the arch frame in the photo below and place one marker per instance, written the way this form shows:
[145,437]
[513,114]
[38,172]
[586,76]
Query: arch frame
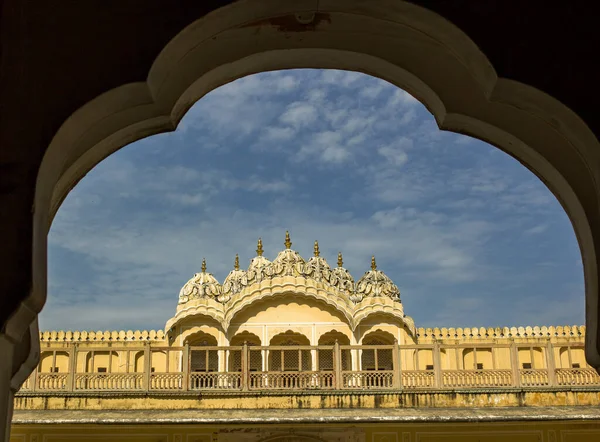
[241,39]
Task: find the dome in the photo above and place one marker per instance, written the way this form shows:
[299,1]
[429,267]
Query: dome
[202,285]
[257,264]
[341,278]
[376,283]
[316,267]
[235,282]
[288,261]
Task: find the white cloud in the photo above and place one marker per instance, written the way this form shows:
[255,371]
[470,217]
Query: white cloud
[299,114]
[329,161]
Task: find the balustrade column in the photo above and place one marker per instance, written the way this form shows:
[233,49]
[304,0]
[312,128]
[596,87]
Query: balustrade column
[147,366]
[437,365]
[551,366]
[337,365]
[514,364]
[185,366]
[397,379]
[245,366]
[72,367]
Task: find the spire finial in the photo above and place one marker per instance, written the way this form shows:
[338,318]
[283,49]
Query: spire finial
[340,260]
[259,249]
[373,263]
[236,263]
[203,265]
[316,248]
[288,242]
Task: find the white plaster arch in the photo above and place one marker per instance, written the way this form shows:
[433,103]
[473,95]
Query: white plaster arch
[199,331]
[384,38]
[286,287]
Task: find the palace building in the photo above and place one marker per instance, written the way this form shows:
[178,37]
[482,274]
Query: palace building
[295,349]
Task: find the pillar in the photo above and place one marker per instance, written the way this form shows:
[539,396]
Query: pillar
[397,382]
[514,364]
[245,366]
[185,366]
[337,365]
[550,364]
[437,366]
[73,366]
[147,366]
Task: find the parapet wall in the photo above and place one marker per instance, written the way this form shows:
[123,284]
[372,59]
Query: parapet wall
[504,332]
[102,336]
[423,333]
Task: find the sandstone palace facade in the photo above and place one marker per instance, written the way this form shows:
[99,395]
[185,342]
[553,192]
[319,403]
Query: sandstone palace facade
[300,336]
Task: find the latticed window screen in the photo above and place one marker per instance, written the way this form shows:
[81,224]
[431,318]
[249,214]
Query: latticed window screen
[255,356]
[377,358]
[326,358]
[204,360]
[290,360]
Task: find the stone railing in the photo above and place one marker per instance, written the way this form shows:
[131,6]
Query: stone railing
[566,331]
[329,367]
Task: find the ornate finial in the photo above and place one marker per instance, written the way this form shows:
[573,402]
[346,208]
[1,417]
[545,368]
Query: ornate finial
[203,265]
[340,261]
[288,242]
[259,249]
[373,263]
[236,263]
[316,248]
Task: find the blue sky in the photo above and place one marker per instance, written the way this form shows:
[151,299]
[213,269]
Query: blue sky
[469,235]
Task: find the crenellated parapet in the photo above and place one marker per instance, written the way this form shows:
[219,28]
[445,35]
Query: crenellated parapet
[566,331]
[102,336]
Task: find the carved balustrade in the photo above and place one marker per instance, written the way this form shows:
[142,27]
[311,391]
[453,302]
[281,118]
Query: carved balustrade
[477,378]
[293,367]
[577,376]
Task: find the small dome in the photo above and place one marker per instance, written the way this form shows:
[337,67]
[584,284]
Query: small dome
[234,283]
[341,278]
[376,283]
[288,261]
[257,264]
[202,285]
[316,267]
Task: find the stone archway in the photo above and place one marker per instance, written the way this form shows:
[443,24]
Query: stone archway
[468,97]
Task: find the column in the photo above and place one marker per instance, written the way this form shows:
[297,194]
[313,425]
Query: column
[337,365]
[185,366]
[147,366]
[514,363]
[437,366]
[245,366]
[397,382]
[72,367]
[551,366]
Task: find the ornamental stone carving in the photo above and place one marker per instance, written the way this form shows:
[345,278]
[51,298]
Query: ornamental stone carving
[316,267]
[234,283]
[337,282]
[202,285]
[288,262]
[376,283]
[256,269]
[342,279]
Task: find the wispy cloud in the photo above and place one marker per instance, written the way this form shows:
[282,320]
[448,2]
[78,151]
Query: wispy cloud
[469,235]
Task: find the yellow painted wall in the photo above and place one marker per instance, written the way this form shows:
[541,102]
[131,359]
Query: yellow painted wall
[559,431]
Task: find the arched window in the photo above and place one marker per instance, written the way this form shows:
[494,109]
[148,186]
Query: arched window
[235,356]
[378,358]
[281,359]
[203,360]
[326,358]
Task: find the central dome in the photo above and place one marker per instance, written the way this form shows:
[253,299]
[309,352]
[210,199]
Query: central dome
[288,261]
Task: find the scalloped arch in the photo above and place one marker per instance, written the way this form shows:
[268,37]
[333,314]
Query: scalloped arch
[468,98]
[281,292]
